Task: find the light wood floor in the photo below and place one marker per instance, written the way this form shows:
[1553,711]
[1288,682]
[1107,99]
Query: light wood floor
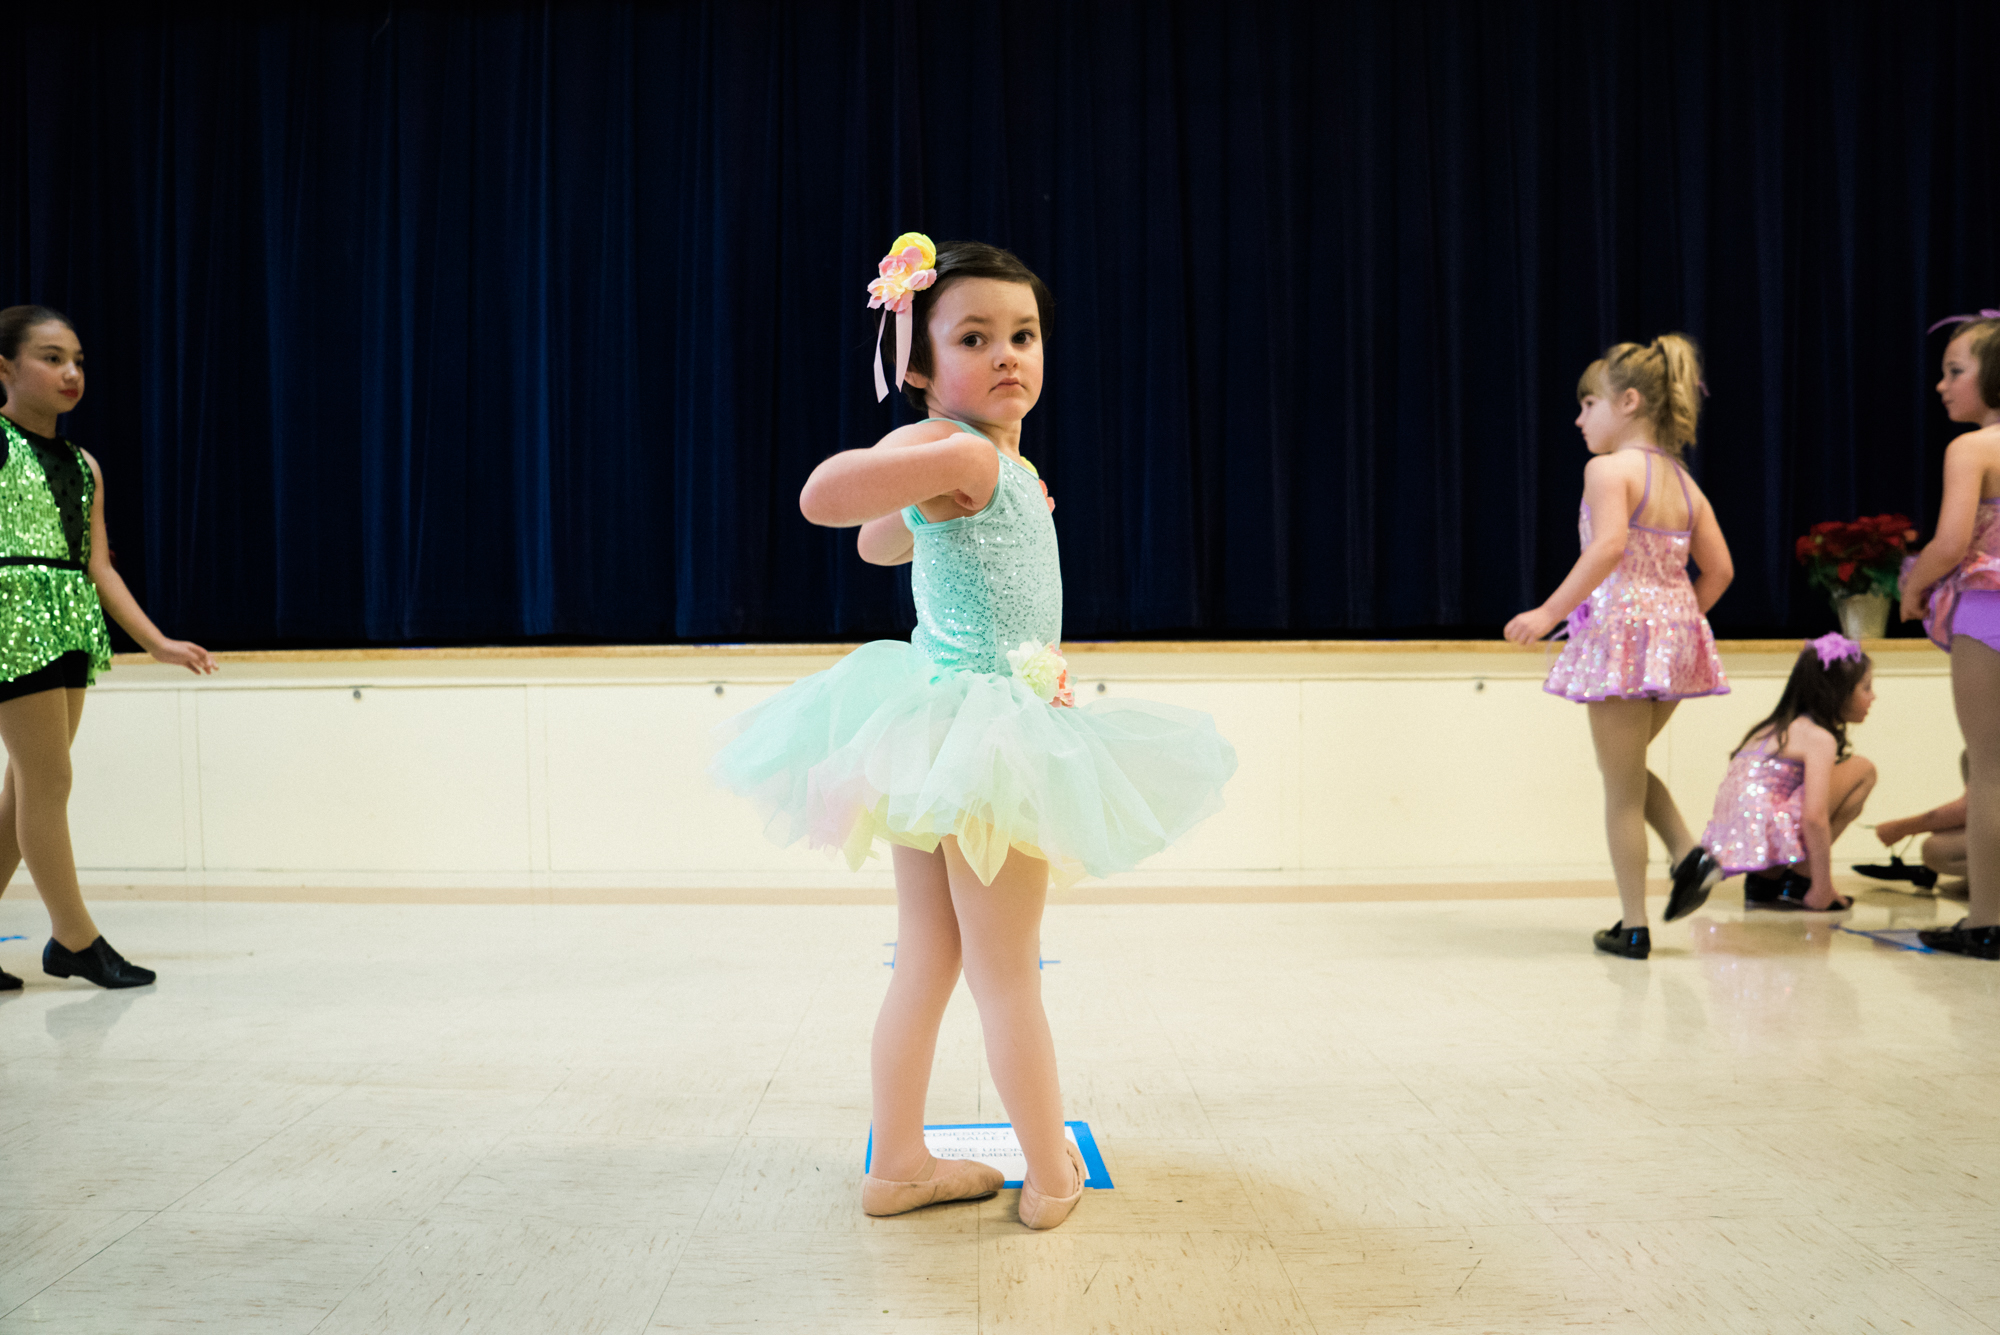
[1447,1115]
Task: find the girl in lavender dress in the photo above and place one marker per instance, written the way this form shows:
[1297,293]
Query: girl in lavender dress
[1954,585]
[1639,641]
[1793,787]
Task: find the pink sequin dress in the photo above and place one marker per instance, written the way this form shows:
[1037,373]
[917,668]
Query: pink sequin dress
[1759,818]
[1978,572]
[1640,635]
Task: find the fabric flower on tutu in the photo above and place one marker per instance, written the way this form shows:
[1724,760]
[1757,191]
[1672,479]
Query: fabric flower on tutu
[1042,670]
[905,269]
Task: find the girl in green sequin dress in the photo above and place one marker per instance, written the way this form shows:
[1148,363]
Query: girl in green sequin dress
[55,567]
[961,750]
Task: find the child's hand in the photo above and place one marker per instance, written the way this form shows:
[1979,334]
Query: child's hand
[183,653]
[1913,604]
[1893,832]
[1045,495]
[975,501]
[1530,626]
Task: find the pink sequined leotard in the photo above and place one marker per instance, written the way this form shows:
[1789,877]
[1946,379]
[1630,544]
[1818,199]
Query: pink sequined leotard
[1978,572]
[1759,818]
[1640,635]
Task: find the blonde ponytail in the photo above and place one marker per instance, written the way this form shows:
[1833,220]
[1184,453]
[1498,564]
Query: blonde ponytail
[1667,374]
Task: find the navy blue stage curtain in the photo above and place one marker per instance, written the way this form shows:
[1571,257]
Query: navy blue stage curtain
[419,324]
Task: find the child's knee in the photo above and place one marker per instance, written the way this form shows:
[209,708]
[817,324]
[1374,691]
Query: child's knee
[995,975]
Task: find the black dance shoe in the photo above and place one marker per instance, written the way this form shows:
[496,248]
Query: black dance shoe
[1633,945]
[1791,898]
[1694,877]
[1895,869]
[1759,891]
[1982,943]
[9,983]
[97,962]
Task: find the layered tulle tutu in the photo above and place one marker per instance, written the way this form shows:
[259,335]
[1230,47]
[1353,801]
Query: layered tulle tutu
[887,748]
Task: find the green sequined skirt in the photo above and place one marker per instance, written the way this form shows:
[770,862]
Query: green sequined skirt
[45,613]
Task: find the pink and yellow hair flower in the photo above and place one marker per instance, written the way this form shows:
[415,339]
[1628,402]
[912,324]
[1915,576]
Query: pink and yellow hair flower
[908,268]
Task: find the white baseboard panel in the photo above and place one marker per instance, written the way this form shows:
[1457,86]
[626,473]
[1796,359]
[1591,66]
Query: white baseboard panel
[1359,766]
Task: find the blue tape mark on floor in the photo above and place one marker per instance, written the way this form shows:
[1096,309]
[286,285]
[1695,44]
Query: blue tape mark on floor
[1098,1177]
[13,938]
[890,963]
[1900,938]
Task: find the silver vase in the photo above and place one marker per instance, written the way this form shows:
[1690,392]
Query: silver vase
[1863,616]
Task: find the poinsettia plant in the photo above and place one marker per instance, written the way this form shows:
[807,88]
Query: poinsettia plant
[1856,558]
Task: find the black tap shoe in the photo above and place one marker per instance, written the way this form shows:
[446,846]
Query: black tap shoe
[1982,943]
[1895,869]
[1694,876]
[1759,891]
[1791,898]
[1633,945]
[97,962]
[9,983]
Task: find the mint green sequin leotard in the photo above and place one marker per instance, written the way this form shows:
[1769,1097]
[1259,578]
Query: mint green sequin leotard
[912,743]
[989,582]
[48,606]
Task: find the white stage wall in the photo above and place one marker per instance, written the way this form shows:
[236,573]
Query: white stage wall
[1361,765]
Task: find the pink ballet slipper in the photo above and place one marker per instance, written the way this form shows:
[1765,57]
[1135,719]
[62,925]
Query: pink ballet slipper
[1039,1211]
[948,1180]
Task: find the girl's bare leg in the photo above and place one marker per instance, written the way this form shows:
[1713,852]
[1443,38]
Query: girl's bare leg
[1975,689]
[906,1030]
[1661,813]
[37,731]
[1620,730]
[1853,780]
[1000,926]
[1944,852]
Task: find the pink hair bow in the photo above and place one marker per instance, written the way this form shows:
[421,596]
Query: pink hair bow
[1963,319]
[1832,647]
[910,266]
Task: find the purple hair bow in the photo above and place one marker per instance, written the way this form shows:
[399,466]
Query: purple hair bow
[1832,647]
[1963,319]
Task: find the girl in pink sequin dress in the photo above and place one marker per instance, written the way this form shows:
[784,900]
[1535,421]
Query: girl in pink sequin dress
[1793,787]
[1954,586]
[1639,641]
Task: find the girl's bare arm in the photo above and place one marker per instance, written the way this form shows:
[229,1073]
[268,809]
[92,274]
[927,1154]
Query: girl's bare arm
[118,599]
[886,541]
[908,466]
[1606,493]
[1816,747]
[1958,510]
[1711,554]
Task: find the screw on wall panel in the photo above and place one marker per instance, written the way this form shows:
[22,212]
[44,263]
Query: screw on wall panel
[718,688]
[357,692]
[1101,688]
[1478,685]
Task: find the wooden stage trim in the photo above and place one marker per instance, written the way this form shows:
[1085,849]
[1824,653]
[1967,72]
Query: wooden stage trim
[1074,648]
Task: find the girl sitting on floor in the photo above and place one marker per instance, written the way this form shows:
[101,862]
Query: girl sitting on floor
[1793,787]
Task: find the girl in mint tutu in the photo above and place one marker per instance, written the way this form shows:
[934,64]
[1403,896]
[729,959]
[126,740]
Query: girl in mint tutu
[962,751]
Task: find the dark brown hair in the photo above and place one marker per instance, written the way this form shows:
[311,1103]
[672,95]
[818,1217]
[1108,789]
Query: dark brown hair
[1814,692]
[1667,374]
[16,321]
[1985,345]
[956,260]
